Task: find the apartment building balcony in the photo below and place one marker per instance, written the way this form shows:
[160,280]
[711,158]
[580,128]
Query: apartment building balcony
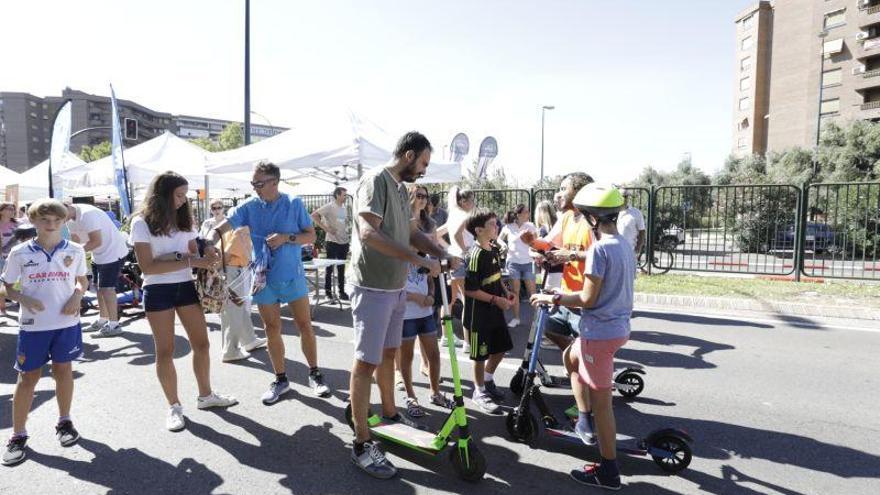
[867,80]
[866,48]
[870,110]
[869,13]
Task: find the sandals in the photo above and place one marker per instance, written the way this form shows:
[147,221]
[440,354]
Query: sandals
[442,401]
[413,409]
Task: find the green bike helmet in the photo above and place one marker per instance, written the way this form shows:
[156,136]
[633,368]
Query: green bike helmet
[598,200]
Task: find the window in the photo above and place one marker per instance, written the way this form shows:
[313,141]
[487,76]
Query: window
[747,43]
[836,18]
[830,106]
[33,115]
[33,103]
[744,103]
[35,139]
[745,63]
[832,77]
[748,22]
[741,143]
[743,125]
[746,83]
[833,47]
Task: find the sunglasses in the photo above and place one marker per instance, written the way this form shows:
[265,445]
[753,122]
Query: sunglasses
[215,208]
[260,183]
[421,196]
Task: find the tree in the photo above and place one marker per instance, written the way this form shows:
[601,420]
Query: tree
[96,152]
[231,138]
[206,143]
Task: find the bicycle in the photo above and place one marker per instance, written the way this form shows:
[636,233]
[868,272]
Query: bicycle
[662,261]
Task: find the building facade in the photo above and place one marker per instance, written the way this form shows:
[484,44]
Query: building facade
[26,125]
[752,86]
[823,66]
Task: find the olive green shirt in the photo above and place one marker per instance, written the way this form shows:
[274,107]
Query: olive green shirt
[379,194]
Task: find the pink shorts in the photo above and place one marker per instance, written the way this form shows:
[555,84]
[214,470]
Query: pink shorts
[596,361]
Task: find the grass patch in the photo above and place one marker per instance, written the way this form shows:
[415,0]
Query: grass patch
[828,293]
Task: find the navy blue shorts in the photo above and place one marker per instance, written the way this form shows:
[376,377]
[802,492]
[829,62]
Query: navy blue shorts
[35,349]
[159,297]
[108,274]
[419,326]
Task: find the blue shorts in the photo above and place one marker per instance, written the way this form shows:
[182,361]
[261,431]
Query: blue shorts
[565,321]
[283,292]
[419,326]
[160,297]
[35,349]
[521,271]
[461,271]
[108,274]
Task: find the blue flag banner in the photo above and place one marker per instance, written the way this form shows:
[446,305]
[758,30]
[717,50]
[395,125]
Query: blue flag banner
[118,159]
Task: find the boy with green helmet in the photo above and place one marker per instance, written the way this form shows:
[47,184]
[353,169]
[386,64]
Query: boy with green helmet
[607,302]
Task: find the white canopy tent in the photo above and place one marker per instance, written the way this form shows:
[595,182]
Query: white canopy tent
[34,183]
[321,150]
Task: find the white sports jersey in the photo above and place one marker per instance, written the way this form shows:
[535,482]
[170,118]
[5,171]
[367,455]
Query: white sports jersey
[48,277]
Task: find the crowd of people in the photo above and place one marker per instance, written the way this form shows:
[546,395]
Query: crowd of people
[586,243]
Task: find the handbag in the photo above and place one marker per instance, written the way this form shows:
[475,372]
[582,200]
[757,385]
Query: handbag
[211,285]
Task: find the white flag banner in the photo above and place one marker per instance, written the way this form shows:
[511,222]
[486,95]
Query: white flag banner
[488,152]
[117,158]
[59,148]
[459,147]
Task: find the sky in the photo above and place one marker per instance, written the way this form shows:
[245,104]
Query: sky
[634,83]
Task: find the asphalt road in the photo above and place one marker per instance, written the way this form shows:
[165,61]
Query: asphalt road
[784,406]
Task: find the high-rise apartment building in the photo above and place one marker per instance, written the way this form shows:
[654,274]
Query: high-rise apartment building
[823,66]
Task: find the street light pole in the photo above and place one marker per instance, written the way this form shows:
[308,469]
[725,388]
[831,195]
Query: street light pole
[543,110]
[247,72]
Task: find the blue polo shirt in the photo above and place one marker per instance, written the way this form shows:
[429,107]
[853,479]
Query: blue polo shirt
[284,215]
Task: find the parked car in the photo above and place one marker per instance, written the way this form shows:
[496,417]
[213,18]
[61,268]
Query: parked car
[819,238]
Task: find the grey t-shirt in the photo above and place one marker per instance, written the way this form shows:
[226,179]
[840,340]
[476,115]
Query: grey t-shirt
[379,194]
[610,259]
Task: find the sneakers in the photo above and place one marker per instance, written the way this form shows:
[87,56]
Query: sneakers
[585,429]
[236,355]
[485,402]
[547,344]
[401,419]
[276,390]
[442,401]
[66,433]
[256,344]
[398,382]
[316,381]
[15,451]
[413,408]
[457,341]
[373,461]
[216,400]
[513,323]
[492,390]
[108,330]
[343,296]
[95,326]
[175,420]
[590,475]
[466,348]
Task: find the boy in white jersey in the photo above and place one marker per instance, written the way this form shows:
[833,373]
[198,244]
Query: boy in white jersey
[47,276]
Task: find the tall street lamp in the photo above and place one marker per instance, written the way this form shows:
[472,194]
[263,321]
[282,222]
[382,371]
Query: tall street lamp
[543,110]
[247,72]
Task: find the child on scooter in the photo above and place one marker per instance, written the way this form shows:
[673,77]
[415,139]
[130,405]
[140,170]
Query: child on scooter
[486,299]
[607,300]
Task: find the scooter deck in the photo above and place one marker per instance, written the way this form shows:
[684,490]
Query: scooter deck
[403,434]
[625,443]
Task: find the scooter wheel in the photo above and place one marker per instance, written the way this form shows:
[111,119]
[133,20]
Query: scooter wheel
[679,449]
[526,430]
[633,384]
[516,383]
[348,418]
[469,464]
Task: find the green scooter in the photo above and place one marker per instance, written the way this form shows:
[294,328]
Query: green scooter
[466,460]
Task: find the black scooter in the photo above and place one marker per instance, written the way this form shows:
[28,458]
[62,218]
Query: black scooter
[668,447]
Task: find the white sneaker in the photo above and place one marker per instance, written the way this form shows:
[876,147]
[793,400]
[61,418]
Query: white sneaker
[466,348]
[175,420]
[95,326]
[547,344]
[256,344]
[236,355]
[216,400]
[513,323]
[107,331]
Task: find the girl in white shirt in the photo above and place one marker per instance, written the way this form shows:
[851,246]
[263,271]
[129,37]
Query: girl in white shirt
[519,263]
[164,243]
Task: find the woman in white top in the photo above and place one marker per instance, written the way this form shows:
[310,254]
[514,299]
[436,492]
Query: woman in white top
[218,214]
[164,243]
[460,203]
[519,263]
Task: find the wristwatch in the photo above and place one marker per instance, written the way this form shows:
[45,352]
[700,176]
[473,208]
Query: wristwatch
[178,256]
[291,238]
[573,256]
[556,299]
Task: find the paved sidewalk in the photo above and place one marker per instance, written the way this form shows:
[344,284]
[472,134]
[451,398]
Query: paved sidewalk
[668,301]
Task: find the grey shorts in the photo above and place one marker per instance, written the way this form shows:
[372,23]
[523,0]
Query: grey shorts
[378,322]
[565,322]
[461,271]
[521,271]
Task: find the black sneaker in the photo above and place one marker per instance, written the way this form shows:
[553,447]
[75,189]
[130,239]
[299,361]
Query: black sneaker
[15,451]
[66,433]
[492,390]
[343,295]
[589,475]
[373,461]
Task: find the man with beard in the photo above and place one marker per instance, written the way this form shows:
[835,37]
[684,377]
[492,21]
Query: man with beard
[279,226]
[384,243]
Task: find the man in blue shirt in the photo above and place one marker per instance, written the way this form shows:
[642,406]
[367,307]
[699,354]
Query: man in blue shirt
[279,226]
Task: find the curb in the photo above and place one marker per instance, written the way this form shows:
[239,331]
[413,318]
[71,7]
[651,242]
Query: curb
[734,304]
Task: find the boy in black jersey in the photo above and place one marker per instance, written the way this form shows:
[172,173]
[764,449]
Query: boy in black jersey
[486,299]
